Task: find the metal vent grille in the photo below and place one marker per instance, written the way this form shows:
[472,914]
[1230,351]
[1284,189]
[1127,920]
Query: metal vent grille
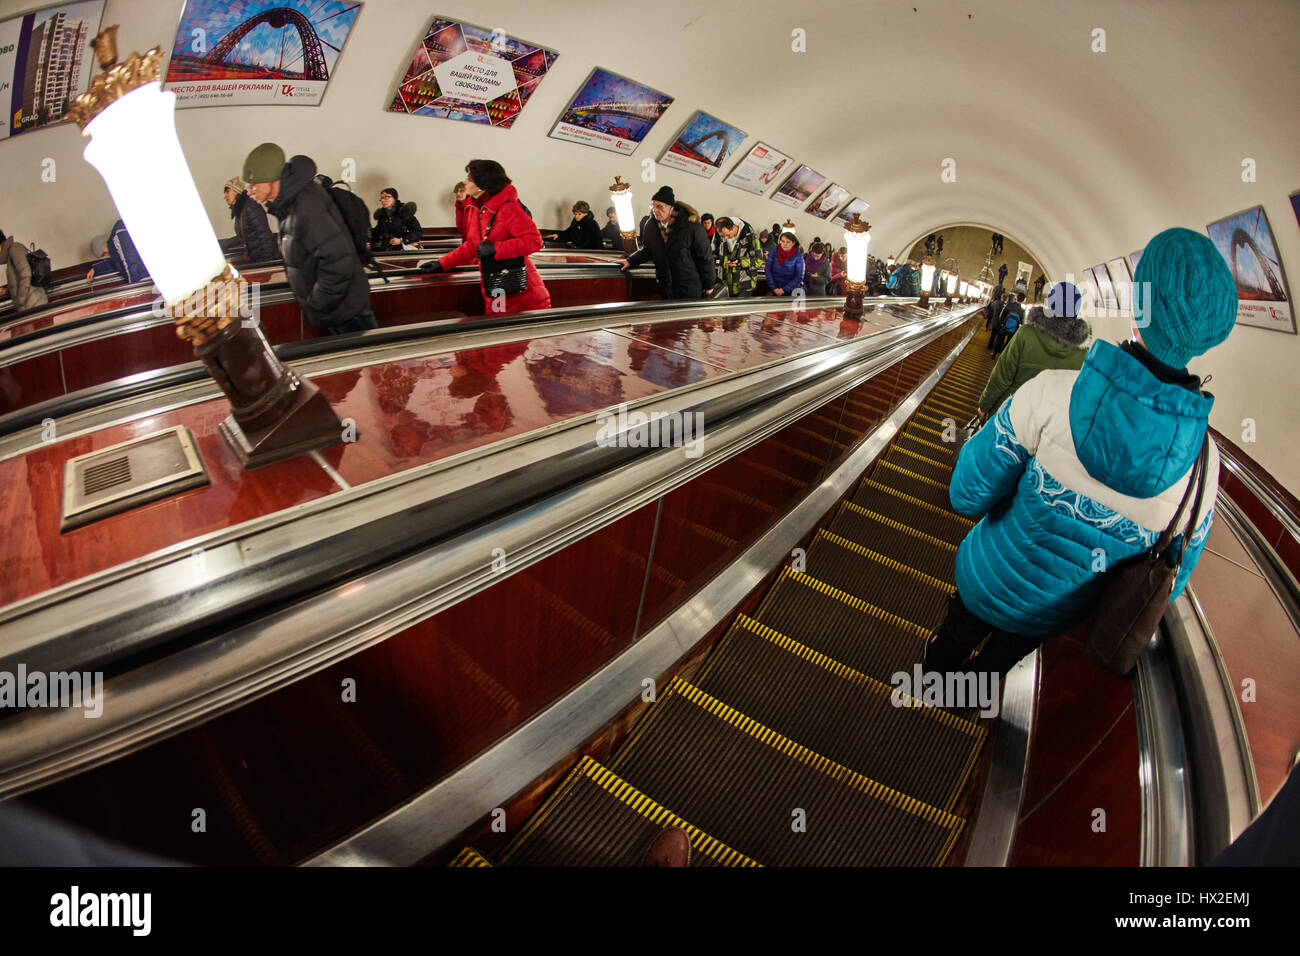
[128,475]
[106,474]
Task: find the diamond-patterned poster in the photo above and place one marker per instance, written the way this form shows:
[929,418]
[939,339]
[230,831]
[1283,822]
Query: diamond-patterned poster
[464,72]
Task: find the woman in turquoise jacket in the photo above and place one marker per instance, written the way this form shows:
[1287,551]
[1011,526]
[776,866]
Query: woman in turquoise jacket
[1082,470]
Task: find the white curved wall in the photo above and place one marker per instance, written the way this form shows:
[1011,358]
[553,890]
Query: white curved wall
[1082,156]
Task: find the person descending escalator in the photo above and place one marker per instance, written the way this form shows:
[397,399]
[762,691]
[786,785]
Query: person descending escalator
[251,226]
[677,244]
[1052,337]
[1080,472]
[501,237]
[582,232]
[321,258]
[396,227]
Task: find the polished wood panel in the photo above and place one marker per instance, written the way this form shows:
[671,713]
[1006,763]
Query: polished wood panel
[26,383]
[35,556]
[426,700]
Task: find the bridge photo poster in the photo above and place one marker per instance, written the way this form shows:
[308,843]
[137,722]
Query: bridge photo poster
[1246,243]
[799,187]
[703,145]
[611,112]
[463,72]
[257,52]
[45,63]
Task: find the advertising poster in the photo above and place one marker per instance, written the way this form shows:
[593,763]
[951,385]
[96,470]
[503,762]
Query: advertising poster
[1091,292]
[846,214]
[799,187]
[1122,281]
[703,146]
[610,112]
[830,200]
[760,168]
[45,63]
[1107,288]
[257,52]
[463,72]
[1246,243]
[1295,206]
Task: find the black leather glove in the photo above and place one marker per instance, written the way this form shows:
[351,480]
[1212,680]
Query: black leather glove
[432,267]
[486,250]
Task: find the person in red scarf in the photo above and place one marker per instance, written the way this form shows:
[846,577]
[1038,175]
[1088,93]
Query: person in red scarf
[499,235]
[785,266]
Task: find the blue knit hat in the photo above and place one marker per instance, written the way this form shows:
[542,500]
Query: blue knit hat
[1063,301]
[1192,304]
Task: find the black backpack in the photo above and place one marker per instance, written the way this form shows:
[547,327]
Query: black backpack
[39,263]
[352,209]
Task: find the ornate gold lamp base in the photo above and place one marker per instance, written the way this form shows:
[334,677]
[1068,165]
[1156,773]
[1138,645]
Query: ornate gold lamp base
[853,292]
[629,242]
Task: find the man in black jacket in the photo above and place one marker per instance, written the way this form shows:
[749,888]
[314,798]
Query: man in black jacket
[320,258]
[583,233]
[251,227]
[679,246]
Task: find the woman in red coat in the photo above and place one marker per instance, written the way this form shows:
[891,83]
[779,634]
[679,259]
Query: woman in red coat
[497,229]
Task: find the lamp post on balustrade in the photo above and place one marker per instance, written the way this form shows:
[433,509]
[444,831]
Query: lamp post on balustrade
[927,281]
[620,194]
[857,238]
[132,128]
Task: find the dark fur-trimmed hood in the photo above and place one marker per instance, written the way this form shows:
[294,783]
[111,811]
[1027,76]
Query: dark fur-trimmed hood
[1068,331]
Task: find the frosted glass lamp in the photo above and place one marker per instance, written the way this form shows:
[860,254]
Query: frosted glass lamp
[927,281]
[620,194]
[132,129]
[857,238]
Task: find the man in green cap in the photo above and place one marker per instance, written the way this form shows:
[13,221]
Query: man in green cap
[321,261]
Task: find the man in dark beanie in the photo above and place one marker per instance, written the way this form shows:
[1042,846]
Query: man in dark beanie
[1081,471]
[321,260]
[677,243]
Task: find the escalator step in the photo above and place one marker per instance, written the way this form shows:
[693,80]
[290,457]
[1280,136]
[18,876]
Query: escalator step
[942,406]
[773,800]
[884,535]
[922,445]
[904,479]
[877,579]
[851,631]
[470,857]
[842,714]
[919,464]
[933,520]
[597,819]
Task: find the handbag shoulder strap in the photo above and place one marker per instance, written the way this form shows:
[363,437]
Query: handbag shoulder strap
[491,222]
[1195,487]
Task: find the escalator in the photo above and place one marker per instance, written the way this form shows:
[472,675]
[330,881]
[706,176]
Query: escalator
[789,746]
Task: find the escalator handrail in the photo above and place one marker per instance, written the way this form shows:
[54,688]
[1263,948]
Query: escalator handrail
[277,292]
[133,386]
[532,499]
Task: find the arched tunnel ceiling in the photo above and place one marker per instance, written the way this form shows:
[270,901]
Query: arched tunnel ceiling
[1082,155]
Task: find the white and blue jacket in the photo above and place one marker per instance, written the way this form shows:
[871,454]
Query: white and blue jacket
[1078,471]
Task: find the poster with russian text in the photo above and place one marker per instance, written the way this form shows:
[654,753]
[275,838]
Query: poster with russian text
[846,214]
[758,170]
[45,63]
[463,72]
[703,146]
[828,201]
[1246,243]
[611,112]
[799,187]
[257,52]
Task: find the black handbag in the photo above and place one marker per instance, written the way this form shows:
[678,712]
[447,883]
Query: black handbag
[1136,593]
[509,276]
